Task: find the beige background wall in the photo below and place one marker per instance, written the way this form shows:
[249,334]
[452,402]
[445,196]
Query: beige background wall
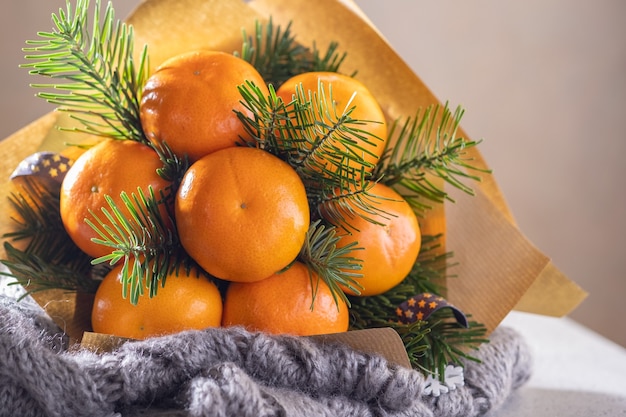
[544,83]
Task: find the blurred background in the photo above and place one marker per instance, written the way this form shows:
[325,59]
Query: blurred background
[543,83]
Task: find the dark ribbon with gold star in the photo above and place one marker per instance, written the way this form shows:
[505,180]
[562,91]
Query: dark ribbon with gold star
[49,166]
[421,306]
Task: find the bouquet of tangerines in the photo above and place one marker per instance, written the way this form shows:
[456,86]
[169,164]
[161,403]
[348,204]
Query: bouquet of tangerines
[263,188]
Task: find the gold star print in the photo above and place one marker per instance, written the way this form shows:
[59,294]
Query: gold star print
[421,306]
[399,311]
[63,167]
[46,163]
[56,158]
[53,172]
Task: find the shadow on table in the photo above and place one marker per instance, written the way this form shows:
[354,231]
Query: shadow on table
[538,402]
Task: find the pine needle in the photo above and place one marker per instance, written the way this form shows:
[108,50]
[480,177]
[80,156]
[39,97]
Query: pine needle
[431,344]
[49,259]
[101,81]
[147,246]
[427,147]
[277,56]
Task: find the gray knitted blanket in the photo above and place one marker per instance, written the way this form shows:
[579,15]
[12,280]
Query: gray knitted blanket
[231,372]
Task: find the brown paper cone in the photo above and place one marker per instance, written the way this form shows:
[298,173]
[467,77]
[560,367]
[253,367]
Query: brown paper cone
[499,269]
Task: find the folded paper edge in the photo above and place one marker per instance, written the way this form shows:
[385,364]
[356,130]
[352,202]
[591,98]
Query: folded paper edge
[384,341]
[552,294]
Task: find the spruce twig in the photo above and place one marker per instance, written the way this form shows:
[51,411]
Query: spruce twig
[427,146]
[431,344]
[173,170]
[277,56]
[49,259]
[36,274]
[102,79]
[319,142]
[144,241]
[38,222]
[432,267]
[448,343]
[335,266]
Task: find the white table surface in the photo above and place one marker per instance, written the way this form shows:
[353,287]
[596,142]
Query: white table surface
[576,371]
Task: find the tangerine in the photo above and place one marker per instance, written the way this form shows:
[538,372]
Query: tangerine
[242,213]
[283,304]
[108,168]
[345,92]
[187,301]
[389,245]
[189,102]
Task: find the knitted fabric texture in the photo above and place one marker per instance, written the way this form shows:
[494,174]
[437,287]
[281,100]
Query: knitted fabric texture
[232,372]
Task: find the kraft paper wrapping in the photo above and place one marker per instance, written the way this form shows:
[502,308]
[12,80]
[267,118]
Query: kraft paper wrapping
[498,268]
[385,341]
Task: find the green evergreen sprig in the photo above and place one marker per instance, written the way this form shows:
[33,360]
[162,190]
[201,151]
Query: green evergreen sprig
[337,267]
[38,222]
[448,343]
[143,239]
[173,170]
[430,344]
[49,258]
[426,146]
[277,55]
[271,122]
[328,139]
[37,274]
[432,268]
[103,81]
[323,144]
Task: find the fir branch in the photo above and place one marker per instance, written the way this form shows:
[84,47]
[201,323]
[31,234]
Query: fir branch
[36,274]
[379,310]
[431,269]
[330,61]
[322,143]
[271,125]
[340,205]
[426,146]
[38,223]
[277,56]
[448,343]
[430,344]
[173,170]
[102,79]
[144,241]
[49,258]
[328,139]
[310,132]
[335,266]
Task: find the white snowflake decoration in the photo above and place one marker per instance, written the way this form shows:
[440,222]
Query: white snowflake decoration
[453,378]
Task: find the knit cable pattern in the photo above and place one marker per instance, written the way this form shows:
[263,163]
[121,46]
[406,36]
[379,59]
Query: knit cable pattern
[232,372]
